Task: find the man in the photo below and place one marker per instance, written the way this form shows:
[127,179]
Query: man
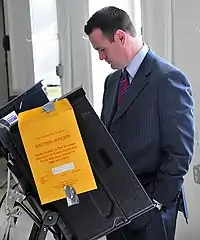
[148,110]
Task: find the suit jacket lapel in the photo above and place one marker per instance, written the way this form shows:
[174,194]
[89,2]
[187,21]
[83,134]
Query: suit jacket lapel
[139,82]
[113,98]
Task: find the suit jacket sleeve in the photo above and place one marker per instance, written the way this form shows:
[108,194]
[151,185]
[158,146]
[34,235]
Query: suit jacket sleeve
[176,121]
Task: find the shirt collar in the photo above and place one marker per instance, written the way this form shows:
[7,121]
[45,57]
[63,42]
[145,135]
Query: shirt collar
[134,65]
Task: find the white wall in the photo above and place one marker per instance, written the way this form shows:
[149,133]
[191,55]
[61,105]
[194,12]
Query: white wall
[171,29]
[186,53]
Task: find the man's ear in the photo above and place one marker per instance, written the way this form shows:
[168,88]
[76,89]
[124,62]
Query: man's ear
[120,36]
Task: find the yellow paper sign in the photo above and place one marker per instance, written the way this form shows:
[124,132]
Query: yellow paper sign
[55,151]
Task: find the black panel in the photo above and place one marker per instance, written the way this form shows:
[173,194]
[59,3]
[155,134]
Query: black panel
[119,197]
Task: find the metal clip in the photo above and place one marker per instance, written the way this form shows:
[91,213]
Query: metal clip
[71,196]
[49,107]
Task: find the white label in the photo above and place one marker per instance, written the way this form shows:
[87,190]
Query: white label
[63,168]
[11,118]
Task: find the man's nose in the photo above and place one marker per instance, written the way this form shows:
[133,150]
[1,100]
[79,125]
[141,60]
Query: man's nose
[102,56]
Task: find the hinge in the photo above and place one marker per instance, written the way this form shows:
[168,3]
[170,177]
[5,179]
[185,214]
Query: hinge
[6,43]
[196,173]
[59,70]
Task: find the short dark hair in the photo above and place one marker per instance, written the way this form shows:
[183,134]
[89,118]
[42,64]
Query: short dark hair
[109,20]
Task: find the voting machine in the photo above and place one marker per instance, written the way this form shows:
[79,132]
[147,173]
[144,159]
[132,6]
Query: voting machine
[119,197]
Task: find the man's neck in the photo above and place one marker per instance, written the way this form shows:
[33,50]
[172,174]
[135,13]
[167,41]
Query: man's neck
[133,47]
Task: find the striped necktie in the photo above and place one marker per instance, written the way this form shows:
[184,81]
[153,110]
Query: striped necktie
[123,84]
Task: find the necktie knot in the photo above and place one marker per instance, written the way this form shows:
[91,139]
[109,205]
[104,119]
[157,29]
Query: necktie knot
[123,84]
[125,73]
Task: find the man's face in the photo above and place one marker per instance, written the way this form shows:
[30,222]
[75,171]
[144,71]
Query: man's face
[112,52]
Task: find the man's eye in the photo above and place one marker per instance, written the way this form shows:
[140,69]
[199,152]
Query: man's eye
[102,50]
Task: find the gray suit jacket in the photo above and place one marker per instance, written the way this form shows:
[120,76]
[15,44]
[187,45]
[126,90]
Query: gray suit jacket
[153,126]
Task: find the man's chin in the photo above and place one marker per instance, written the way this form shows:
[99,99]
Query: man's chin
[113,66]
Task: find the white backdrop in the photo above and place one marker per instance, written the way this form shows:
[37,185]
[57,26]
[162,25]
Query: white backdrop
[171,29]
